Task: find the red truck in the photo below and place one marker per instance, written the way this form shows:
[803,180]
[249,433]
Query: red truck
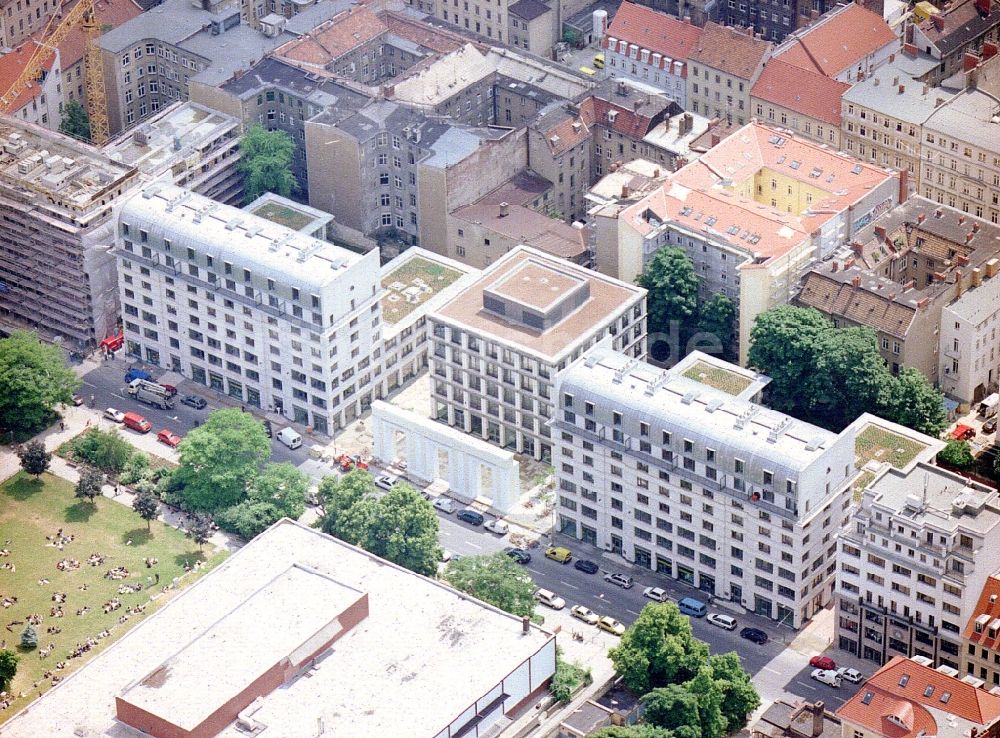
[137,423]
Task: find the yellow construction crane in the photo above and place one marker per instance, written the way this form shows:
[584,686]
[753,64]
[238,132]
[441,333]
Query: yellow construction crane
[84,16]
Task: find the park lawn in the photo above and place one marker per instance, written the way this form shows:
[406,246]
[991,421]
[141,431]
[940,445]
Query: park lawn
[32,509]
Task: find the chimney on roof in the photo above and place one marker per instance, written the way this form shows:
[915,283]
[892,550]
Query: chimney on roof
[388,91]
[834,266]
[938,102]
[504,209]
[856,281]
[904,185]
[961,259]
[857,247]
[922,302]
[909,285]
[818,710]
[849,263]
[892,295]
[656,173]
[622,87]
[624,191]
[901,89]
[977,277]
[895,81]
[938,22]
[636,105]
[959,283]
[975,226]
[880,232]
[938,213]
[991,267]
[716,138]
[525,625]
[921,217]
[910,49]
[813,14]
[969,236]
[961,218]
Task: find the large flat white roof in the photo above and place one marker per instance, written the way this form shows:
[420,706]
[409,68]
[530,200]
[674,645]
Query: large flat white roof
[422,655]
[218,665]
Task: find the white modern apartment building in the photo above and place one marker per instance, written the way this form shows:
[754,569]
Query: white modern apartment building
[913,562]
[248,307]
[681,472]
[970,344]
[498,344]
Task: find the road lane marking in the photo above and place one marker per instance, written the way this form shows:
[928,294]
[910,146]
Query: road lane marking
[632,611]
[567,584]
[476,546]
[773,671]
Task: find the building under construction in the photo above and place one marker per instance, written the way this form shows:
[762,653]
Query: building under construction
[57,274]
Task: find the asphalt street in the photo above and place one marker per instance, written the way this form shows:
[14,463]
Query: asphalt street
[784,670]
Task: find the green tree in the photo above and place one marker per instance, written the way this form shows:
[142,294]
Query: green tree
[957,454]
[496,579]
[147,506]
[283,486]
[75,120]
[739,696]
[248,518]
[709,697]
[717,317]
[673,293]
[88,487]
[135,468]
[850,373]
[403,528]
[567,679]
[783,345]
[658,649]
[220,458]
[34,458]
[29,638]
[266,162]
[913,402]
[343,515]
[200,529]
[8,668]
[675,708]
[34,378]
[108,451]
[631,731]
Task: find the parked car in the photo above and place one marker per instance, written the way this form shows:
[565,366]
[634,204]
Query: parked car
[655,593]
[726,622]
[290,437]
[519,555]
[559,553]
[611,626]
[826,676]
[990,426]
[168,437]
[754,635]
[586,566]
[619,580]
[116,415]
[824,663]
[852,675]
[472,517]
[198,403]
[134,421]
[499,527]
[386,481]
[550,599]
[584,613]
[444,504]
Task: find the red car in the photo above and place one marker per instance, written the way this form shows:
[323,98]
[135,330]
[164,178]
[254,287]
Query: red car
[823,662]
[168,437]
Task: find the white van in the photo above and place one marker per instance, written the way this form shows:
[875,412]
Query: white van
[290,437]
[988,407]
[550,599]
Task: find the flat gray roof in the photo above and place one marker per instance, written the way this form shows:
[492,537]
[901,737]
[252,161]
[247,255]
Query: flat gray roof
[880,91]
[421,657]
[969,117]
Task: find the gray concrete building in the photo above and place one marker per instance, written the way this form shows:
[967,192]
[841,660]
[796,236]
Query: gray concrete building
[57,275]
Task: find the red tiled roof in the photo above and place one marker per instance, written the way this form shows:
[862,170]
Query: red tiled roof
[908,700]
[11,66]
[839,42]
[989,604]
[331,40]
[658,32]
[810,93]
[729,50]
[627,122]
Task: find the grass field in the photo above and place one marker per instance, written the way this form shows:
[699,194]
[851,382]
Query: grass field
[721,379]
[436,276]
[284,215]
[875,442]
[30,510]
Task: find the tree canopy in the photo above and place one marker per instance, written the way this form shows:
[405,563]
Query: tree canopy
[266,162]
[400,526]
[75,121]
[658,649]
[88,487]
[717,317]
[8,667]
[220,458]
[34,378]
[106,450]
[672,302]
[675,708]
[830,375]
[146,505]
[739,696]
[957,454]
[496,579]
[34,458]
[631,731]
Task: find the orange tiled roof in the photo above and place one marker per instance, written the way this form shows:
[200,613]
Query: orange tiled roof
[658,32]
[11,66]
[331,40]
[909,699]
[810,93]
[989,605]
[838,43]
[730,50]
